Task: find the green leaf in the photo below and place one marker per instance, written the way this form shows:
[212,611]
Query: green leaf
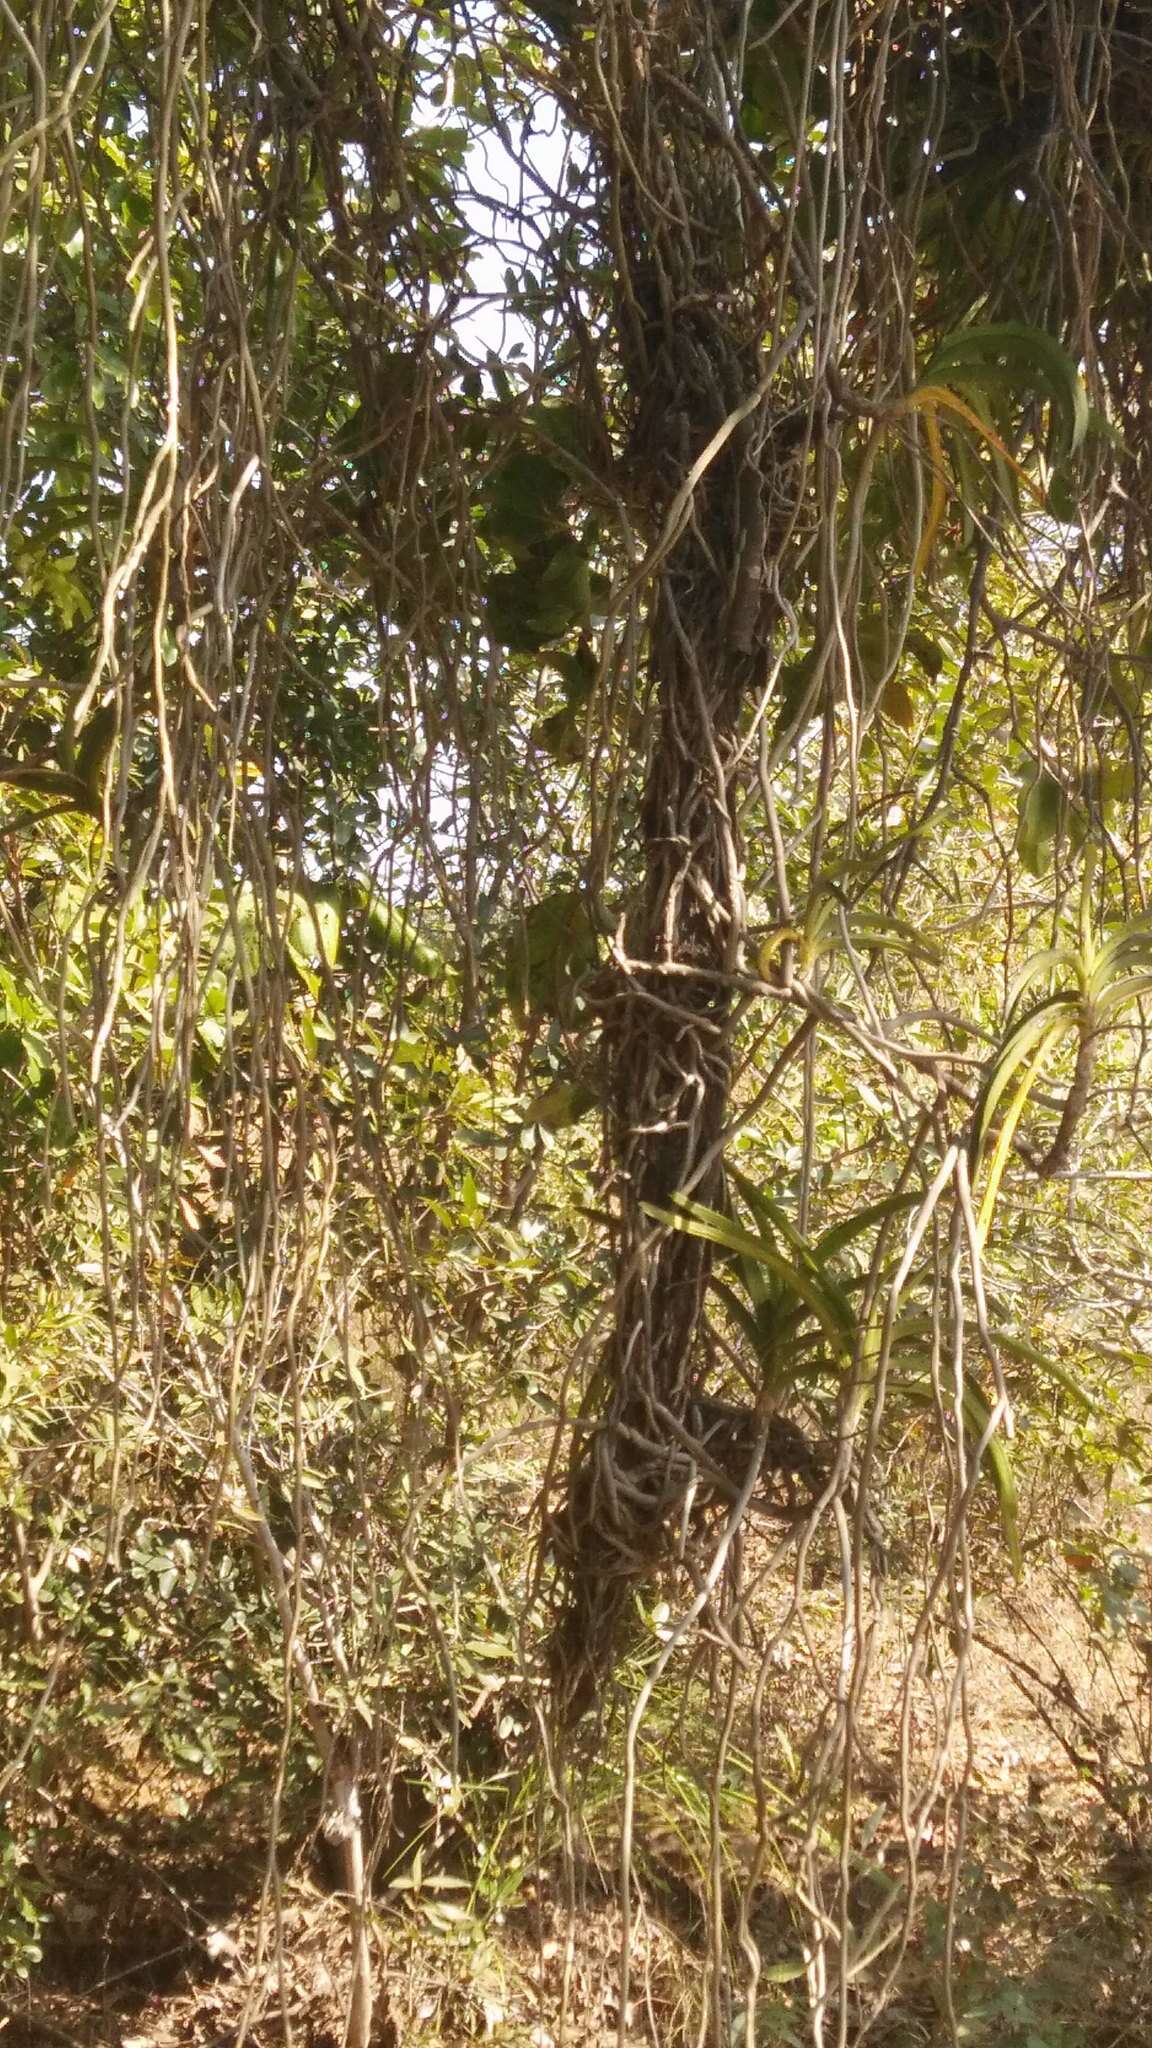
[770,1215]
[924,650]
[1065,492]
[398,936]
[1042,809]
[68,790]
[1128,990]
[745,1318]
[561,736]
[876,652]
[818,1291]
[1050,1018]
[977,1416]
[539,601]
[312,929]
[561,1106]
[884,932]
[782,1350]
[1009,350]
[93,746]
[555,945]
[1128,948]
[570,426]
[578,673]
[523,501]
[1038,965]
[563,587]
[1029,1354]
[1073,475]
[841,1235]
[896,702]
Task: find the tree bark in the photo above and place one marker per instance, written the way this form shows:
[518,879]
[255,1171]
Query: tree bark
[690,321]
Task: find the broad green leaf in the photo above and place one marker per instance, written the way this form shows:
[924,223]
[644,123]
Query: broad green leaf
[537,602]
[561,1105]
[987,356]
[925,651]
[398,937]
[93,746]
[312,929]
[578,672]
[896,698]
[1041,808]
[554,946]
[896,702]
[874,647]
[570,426]
[523,500]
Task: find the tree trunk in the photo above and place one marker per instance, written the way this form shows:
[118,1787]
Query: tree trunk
[690,325]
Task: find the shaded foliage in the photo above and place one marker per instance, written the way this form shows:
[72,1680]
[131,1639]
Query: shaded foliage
[550,562]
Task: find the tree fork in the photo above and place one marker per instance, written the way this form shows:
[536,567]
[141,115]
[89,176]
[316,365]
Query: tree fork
[691,320]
